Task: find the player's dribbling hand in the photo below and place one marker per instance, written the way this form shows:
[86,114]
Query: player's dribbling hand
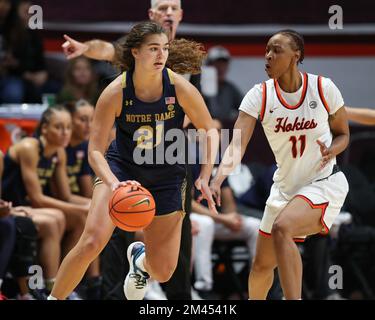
[202,186]
[327,155]
[73,48]
[119,184]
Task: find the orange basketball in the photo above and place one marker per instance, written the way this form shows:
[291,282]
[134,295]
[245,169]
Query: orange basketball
[131,208]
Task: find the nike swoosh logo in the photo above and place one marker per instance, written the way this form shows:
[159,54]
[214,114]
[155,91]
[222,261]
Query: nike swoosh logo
[138,203]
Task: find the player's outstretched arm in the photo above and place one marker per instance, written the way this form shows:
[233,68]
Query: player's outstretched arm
[364,116]
[195,108]
[242,132]
[94,49]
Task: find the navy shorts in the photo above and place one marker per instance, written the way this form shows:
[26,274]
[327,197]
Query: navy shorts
[169,192]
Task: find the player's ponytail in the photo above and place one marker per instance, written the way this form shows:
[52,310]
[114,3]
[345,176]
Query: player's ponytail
[186,56]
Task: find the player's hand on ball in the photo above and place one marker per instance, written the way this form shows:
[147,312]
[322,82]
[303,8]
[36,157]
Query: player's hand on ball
[327,155]
[119,184]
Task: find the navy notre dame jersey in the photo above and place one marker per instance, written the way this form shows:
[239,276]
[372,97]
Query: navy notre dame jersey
[143,133]
[12,183]
[77,164]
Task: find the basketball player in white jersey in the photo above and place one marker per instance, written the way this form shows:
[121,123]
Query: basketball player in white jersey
[306,125]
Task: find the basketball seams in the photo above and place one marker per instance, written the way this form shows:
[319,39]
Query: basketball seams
[113,197]
[127,197]
[124,198]
[127,225]
[130,212]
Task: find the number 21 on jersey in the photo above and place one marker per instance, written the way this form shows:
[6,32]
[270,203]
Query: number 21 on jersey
[145,136]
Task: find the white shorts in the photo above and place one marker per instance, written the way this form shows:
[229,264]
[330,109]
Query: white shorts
[328,194]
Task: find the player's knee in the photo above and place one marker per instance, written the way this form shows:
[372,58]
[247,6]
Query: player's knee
[91,245]
[280,228]
[262,266]
[60,220]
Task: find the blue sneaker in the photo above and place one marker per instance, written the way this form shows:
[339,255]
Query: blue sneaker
[135,285]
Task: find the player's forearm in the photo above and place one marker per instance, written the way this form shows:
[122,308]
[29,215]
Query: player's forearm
[101,167]
[339,144]
[232,157]
[242,133]
[100,50]
[210,148]
[361,115]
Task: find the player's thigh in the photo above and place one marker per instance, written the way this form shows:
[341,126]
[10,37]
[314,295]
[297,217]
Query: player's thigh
[298,218]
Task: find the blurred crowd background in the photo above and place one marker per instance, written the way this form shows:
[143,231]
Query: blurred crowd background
[35,74]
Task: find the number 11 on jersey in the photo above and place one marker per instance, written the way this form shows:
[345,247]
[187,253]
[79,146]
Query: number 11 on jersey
[294,140]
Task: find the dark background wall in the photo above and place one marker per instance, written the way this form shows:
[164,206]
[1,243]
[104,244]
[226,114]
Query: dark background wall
[212,11]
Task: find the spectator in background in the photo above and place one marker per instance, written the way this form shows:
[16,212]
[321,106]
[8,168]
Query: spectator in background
[224,105]
[80,82]
[23,71]
[79,171]
[11,85]
[7,232]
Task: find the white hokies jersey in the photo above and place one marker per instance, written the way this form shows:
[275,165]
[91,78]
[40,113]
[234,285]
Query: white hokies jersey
[293,122]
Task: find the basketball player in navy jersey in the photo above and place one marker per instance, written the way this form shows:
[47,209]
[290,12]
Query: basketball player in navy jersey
[169,14]
[306,125]
[145,101]
[79,171]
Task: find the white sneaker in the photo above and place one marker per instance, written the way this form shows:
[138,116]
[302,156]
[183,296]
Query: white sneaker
[135,285]
[155,292]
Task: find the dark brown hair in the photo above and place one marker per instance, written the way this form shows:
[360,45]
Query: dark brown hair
[184,56]
[46,117]
[73,106]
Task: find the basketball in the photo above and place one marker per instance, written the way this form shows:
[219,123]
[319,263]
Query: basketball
[132,208]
